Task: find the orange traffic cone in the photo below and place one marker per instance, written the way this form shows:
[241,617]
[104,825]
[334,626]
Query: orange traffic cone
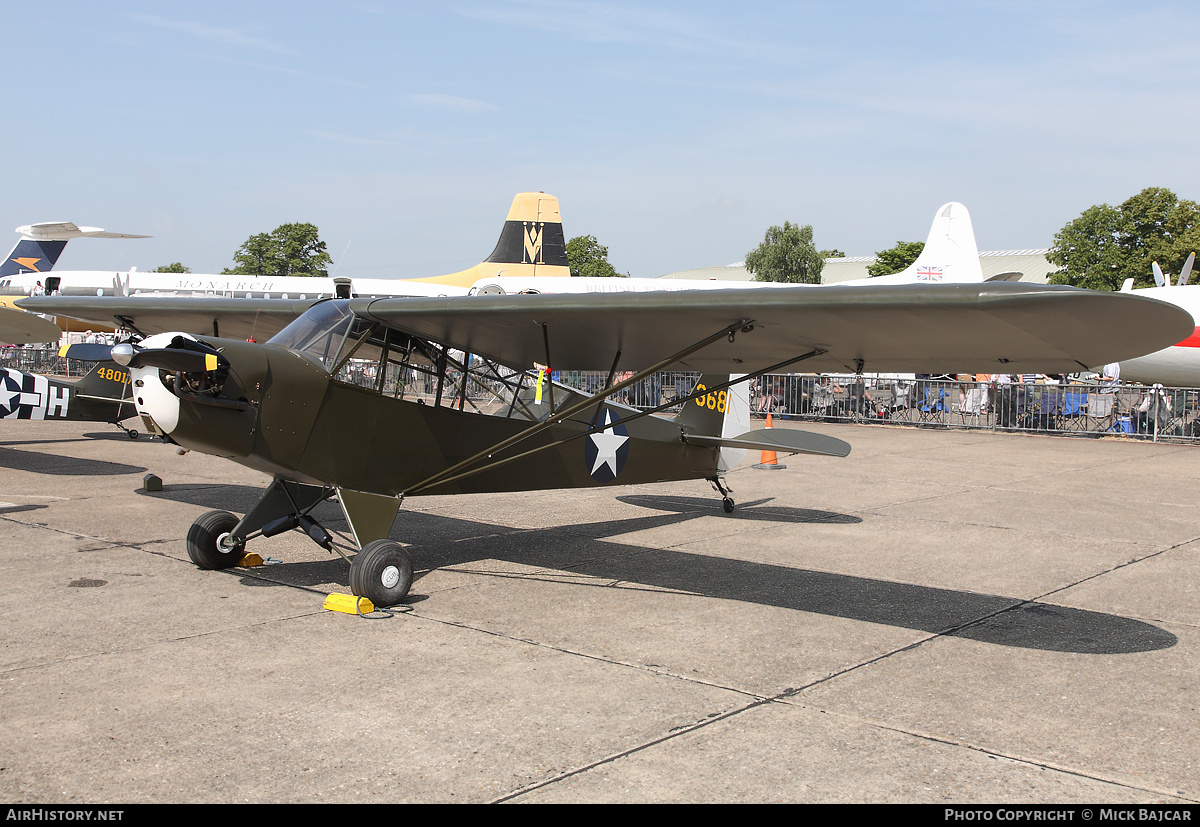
[769,461]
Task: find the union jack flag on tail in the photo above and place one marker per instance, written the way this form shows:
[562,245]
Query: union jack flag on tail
[929,274]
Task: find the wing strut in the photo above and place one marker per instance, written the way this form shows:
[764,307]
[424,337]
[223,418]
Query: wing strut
[598,398]
[591,400]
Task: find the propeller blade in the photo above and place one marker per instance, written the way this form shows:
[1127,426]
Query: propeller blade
[1159,279]
[87,352]
[1186,272]
[174,359]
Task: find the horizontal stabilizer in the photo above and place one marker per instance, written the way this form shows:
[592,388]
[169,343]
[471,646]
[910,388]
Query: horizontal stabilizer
[785,440]
[1013,276]
[65,230]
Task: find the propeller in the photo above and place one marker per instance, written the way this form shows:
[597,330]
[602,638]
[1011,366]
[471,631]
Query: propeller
[1161,280]
[181,355]
[1186,272]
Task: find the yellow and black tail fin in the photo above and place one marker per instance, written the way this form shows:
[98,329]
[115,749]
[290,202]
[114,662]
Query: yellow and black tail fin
[531,244]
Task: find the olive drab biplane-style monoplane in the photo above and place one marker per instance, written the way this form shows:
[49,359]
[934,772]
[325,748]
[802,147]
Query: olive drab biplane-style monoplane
[325,406]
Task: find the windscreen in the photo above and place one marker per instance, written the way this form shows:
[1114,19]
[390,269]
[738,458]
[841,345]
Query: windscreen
[319,333]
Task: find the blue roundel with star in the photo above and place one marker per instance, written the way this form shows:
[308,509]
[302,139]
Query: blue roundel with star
[10,392]
[606,451]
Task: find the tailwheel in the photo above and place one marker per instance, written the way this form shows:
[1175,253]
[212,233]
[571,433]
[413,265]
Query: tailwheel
[724,490]
[210,544]
[382,572]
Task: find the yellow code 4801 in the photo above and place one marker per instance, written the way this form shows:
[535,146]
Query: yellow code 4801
[113,375]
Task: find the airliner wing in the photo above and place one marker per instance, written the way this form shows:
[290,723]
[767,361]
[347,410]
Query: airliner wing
[932,328]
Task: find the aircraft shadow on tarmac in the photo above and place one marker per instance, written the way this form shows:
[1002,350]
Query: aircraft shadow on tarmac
[583,548]
[39,463]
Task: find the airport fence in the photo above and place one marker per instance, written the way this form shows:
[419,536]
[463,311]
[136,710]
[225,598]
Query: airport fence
[1035,405]
[42,359]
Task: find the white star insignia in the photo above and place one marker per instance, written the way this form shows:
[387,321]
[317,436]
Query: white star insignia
[607,444]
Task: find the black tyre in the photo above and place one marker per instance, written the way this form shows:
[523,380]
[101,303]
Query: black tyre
[727,504]
[133,434]
[208,541]
[382,572]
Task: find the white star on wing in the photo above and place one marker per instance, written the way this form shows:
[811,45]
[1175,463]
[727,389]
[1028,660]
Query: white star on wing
[607,444]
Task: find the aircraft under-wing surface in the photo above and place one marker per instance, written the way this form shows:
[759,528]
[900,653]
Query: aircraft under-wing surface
[322,407]
[948,257]
[1179,364]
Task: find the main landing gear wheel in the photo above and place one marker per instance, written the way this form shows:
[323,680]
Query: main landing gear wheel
[382,572]
[209,544]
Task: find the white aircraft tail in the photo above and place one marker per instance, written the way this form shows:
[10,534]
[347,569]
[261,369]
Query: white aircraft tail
[949,255]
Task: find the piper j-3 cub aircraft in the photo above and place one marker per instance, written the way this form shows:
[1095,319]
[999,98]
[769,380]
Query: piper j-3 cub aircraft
[322,406]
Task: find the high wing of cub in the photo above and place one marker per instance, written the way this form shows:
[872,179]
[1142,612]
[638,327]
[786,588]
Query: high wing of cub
[326,407]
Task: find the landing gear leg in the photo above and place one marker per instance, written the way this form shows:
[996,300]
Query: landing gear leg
[719,486]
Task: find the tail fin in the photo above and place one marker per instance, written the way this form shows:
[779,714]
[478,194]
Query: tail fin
[40,245]
[31,256]
[106,380]
[724,413]
[949,255]
[531,244]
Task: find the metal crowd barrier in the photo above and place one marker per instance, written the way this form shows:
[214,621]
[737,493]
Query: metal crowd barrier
[44,360]
[1035,405]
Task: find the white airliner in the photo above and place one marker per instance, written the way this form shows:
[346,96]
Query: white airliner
[949,256]
[1179,365]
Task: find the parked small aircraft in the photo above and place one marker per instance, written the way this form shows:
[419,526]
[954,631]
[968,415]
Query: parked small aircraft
[326,407]
[103,395]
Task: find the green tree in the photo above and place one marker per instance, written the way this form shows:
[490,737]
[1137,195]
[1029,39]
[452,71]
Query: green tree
[1106,245]
[588,257]
[786,254]
[288,250]
[895,259]
[173,267]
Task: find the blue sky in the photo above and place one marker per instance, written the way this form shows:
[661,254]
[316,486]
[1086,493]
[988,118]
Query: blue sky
[674,132]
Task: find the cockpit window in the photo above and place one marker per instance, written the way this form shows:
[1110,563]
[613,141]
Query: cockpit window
[319,333]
